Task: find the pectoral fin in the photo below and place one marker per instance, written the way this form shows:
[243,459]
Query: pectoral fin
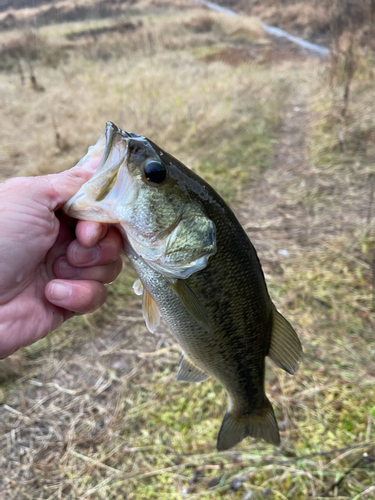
[138,287]
[285,349]
[189,372]
[150,311]
[191,302]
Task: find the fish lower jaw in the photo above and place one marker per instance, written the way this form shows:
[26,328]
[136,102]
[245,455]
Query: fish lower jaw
[89,213]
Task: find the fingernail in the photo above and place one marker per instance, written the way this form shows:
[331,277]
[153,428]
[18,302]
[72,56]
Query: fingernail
[86,256]
[98,232]
[60,291]
[94,231]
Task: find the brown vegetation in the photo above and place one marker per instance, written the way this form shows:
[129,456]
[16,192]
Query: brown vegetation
[94,410]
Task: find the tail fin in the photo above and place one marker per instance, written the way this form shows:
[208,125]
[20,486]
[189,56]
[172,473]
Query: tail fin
[261,424]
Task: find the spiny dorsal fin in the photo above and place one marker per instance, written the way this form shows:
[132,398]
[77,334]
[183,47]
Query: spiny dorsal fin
[261,424]
[150,311]
[285,349]
[189,372]
[138,287]
[191,302]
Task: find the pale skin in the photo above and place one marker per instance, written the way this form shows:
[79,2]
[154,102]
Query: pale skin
[51,267]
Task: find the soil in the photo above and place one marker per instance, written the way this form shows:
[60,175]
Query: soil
[272,226]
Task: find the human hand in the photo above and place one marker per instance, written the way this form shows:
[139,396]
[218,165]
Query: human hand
[51,267]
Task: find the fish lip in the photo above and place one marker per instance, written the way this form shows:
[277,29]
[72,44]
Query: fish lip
[113,128]
[67,205]
[71,209]
[71,206]
[110,132]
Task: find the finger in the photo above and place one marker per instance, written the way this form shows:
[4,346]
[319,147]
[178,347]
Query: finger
[56,189]
[78,296]
[89,233]
[106,251]
[59,248]
[104,274]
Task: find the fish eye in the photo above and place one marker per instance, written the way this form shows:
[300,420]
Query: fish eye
[155,172]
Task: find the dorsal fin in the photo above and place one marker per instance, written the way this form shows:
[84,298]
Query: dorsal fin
[285,349]
[190,372]
[150,311]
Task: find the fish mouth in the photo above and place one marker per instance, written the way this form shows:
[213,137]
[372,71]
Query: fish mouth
[96,199]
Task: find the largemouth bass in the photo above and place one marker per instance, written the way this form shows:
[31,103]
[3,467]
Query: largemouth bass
[198,270]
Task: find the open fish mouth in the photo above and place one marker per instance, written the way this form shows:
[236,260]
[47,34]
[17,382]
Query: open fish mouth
[97,199]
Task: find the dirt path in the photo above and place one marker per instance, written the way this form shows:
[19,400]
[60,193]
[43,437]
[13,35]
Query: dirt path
[270,221]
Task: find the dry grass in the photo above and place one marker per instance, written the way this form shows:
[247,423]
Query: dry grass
[137,80]
[94,410]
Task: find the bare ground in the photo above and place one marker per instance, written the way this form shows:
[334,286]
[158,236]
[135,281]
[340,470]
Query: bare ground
[266,210]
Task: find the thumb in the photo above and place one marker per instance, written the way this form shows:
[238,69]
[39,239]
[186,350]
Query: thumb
[60,187]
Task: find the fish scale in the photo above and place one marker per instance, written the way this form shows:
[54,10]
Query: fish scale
[199,271]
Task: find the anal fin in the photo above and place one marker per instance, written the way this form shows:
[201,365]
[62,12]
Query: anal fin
[150,311]
[285,349]
[260,424]
[189,372]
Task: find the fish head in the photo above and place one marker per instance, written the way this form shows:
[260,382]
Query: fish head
[129,185]
[137,187]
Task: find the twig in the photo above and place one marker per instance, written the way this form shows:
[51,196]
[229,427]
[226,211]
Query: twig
[349,256]
[267,224]
[343,455]
[174,347]
[366,492]
[141,354]
[339,481]
[98,463]
[12,410]
[97,487]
